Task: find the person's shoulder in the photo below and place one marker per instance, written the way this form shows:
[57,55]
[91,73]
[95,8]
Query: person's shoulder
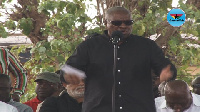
[4,107]
[196,97]
[160,99]
[91,36]
[22,106]
[141,38]
[51,99]
[91,39]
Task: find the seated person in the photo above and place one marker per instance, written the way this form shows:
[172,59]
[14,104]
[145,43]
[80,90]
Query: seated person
[5,96]
[69,101]
[196,85]
[178,98]
[4,107]
[48,84]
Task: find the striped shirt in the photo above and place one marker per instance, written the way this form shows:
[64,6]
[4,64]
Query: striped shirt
[9,64]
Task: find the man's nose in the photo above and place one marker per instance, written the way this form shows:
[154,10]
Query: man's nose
[82,83]
[123,25]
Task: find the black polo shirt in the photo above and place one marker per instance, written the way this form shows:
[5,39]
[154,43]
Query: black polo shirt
[136,57]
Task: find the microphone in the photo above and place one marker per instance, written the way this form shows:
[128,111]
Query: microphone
[116,37]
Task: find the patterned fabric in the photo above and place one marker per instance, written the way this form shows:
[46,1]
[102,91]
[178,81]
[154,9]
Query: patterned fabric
[9,64]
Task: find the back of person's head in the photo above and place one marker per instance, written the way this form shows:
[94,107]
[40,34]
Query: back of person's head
[5,87]
[178,96]
[47,84]
[196,85]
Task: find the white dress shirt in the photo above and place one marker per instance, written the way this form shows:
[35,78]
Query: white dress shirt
[161,106]
[4,107]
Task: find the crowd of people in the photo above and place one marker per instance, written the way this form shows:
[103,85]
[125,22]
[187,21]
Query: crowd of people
[89,80]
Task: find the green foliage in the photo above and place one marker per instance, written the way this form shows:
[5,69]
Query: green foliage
[3,32]
[26,25]
[10,25]
[49,56]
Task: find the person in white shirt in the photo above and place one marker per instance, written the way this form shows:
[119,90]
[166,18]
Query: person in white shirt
[178,98]
[4,107]
[196,85]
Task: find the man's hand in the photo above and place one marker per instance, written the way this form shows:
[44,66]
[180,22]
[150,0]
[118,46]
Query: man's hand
[166,74]
[16,96]
[72,75]
[72,78]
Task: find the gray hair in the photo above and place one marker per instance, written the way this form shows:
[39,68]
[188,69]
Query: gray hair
[111,10]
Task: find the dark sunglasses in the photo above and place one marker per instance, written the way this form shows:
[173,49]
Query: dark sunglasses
[118,23]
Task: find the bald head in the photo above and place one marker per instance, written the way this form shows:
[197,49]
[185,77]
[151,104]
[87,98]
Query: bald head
[112,11]
[177,86]
[178,96]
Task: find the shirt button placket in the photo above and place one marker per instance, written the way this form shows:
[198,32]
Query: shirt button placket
[119,83]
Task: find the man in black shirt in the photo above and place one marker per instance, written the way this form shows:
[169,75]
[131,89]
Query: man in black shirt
[137,56]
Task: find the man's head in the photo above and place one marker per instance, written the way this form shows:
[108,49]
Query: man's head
[161,88]
[178,96]
[47,84]
[196,85]
[5,88]
[74,90]
[119,19]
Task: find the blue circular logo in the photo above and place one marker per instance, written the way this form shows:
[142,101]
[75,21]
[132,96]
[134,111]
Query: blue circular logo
[176,17]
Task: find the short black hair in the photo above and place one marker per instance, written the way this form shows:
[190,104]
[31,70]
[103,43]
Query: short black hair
[6,77]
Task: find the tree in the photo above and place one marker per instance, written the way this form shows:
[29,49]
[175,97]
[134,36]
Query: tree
[39,20]
[65,22]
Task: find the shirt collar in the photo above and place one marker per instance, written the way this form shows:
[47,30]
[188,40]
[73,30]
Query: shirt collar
[163,105]
[196,101]
[106,36]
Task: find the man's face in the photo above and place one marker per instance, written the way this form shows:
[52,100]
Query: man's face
[45,88]
[76,90]
[119,16]
[5,89]
[196,86]
[196,89]
[178,101]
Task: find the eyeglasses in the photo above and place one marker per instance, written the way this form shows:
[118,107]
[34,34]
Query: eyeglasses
[118,23]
